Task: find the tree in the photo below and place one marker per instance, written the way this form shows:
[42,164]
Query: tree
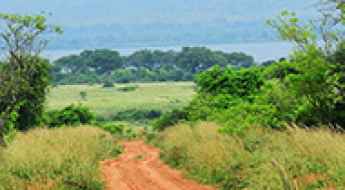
[196,59]
[327,27]
[24,76]
[102,61]
[321,80]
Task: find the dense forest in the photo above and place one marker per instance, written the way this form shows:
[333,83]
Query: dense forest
[100,66]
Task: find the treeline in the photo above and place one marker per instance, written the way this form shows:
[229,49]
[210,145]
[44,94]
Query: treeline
[103,65]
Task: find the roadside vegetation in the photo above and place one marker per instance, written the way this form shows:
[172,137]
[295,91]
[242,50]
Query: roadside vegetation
[62,158]
[262,158]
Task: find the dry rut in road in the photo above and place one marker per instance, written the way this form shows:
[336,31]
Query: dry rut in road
[139,168]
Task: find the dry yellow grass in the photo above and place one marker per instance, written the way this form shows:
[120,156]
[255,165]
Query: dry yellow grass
[260,159]
[64,158]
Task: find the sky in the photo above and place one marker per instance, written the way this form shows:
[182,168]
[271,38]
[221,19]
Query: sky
[105,12]
[90,24]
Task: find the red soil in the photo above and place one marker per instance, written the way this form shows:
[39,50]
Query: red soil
[139,168]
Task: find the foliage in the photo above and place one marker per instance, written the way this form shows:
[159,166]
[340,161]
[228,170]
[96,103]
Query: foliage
[24,76]
[108,84]
[7,126]
[30,82]
[23,35]
[72,115]
[301,89]
[279,70]
[137,115]
[320,80]
[236,83]
[128,88]
[83,95]
[63,158]
[307,88]
[291,28]
[114,129]
[145,65]
[338,69]
[169,119]
[257,159]
[120,130]
[228,96]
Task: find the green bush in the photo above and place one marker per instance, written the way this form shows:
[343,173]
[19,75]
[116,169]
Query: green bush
[70,115]
[83,95]
[108,84]
[136,115]
[235,82]
[127,88]
[169,119]
[228,95]
[280,70]
[115,129]
[299,90]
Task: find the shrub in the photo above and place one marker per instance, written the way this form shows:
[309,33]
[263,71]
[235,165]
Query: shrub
[203,106]
[115,129]
[299,90]
[57,159]
[225,95]
[234,82]
[70,115]
[169,119]
[128,88]
[83,95]
[108,84]
[136,115]
[245,115]
[280,70]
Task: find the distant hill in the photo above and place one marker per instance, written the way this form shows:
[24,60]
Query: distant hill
[106,23]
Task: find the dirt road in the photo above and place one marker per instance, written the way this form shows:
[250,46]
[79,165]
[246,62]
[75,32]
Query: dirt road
[139,168]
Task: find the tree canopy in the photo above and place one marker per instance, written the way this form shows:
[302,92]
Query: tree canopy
[24,76]
[144,65]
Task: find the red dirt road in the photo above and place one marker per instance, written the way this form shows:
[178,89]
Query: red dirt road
[139,168]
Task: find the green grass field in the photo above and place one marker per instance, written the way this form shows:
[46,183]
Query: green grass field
[108,101]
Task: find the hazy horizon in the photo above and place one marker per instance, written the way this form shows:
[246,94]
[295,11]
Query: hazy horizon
[105,12]
[131,23]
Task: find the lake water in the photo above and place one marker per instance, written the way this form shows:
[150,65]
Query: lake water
[260,51]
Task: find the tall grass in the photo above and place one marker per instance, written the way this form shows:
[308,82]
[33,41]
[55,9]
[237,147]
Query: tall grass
[64,158]
[259,159]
